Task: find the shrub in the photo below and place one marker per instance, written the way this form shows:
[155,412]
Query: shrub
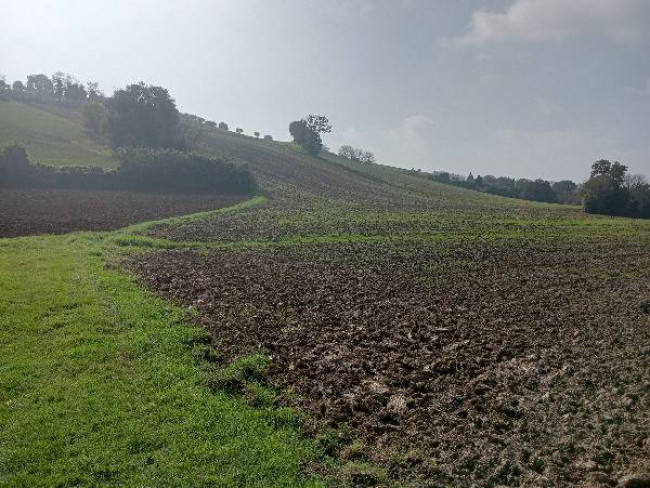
[175,171]
[140,170]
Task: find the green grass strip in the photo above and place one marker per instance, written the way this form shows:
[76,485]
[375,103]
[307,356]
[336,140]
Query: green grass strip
[100,386]
[184,219]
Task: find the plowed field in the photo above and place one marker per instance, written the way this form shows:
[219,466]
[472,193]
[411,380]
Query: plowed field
[464,363]
[29,212]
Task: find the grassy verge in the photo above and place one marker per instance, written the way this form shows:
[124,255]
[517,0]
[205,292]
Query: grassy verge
[100,385]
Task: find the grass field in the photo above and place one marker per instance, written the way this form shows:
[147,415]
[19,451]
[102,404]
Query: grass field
[51,138]
[428,335]
[100,385]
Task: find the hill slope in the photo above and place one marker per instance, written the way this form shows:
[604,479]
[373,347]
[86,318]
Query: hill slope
[51,136]
[451,337]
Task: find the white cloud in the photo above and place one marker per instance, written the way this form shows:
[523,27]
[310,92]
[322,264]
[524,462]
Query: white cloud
[623,21]
[412,142]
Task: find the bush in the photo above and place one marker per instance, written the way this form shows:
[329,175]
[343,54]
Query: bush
[140,170]
[16,171]
[175,171]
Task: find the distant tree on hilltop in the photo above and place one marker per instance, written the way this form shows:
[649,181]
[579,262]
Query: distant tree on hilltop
[307,131]
[142,115]
[356,155]
[606,193]
[39,83]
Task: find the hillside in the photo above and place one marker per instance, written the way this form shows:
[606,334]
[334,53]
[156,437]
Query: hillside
[51,136]
[353,325]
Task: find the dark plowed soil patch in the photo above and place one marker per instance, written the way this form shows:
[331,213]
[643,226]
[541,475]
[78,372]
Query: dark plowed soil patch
[29,212]
[467,365]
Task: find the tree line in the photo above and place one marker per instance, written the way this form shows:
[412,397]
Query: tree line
[103,116]
[538,190]
[60,88]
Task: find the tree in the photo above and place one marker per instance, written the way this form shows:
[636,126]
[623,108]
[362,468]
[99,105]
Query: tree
[318,124]
[604,192]
[75,93]
[470,179]
[538,190]
[347,152]
[223,126]
[5,93]
[94,93]
[239,130]
[256,134]
[478,181]
[356,155]
[268,137]
[307,131]
[442,177]
[93,116]
[565,187]
[602,195]
[639,193]
[18,86]
[142,115]
[39,83]
[58,84]
[298,130]
[616,171]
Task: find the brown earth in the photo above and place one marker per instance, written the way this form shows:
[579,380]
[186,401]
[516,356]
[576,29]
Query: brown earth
[464,363]
[29,212]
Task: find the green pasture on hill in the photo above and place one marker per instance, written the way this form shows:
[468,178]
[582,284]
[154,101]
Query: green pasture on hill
[49,138]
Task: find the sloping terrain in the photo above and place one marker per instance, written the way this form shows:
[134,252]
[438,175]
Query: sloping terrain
[466,339]
[31,212]
[442,337]
[51,136]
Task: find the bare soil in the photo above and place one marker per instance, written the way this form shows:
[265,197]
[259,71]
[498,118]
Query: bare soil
[467,363]
[29,212]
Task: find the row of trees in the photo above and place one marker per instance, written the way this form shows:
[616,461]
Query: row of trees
[356,155]
[539,190]
[58,88]
[142,113]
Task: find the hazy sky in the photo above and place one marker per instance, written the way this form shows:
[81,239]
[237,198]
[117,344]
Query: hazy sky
[535,88]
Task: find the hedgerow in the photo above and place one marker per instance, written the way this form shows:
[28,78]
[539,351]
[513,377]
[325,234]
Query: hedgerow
[162,170]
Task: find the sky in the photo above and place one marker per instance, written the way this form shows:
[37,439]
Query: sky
[524,88]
